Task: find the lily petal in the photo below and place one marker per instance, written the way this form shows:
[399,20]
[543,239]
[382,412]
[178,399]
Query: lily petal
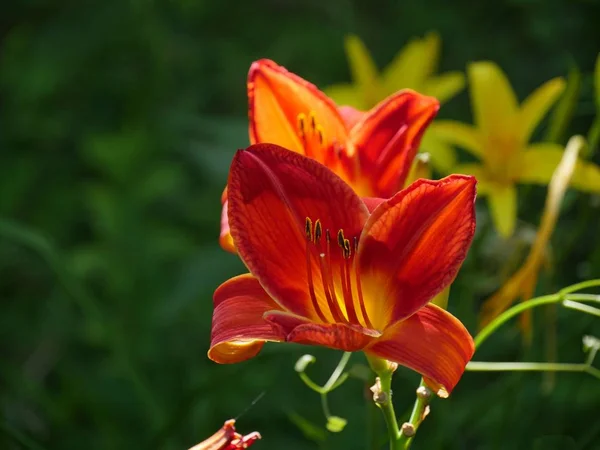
[413,245]
[363,69]
[271,193]
[277,99]
[539,161]
[388,137]
[225,238]
[413,64]
[536,106]
[503,208]
[433,343]
[350,115]
[337,336]
[442,154]
[494,103]
[346,94]
[484,183]
[444,86]
[460,134]
[238,328]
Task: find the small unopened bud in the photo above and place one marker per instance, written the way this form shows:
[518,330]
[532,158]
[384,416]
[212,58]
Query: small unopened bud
[379,397]
[408,429]
[424,393]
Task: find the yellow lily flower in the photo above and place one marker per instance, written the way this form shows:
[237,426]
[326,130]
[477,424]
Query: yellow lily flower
[522,284]
[500,140]
[413,68]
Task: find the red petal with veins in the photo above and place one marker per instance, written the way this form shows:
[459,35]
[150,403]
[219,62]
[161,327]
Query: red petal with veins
[276,97]
[433,343]
[238,328]
[413,245]
[388,137]
[271,193]
[337,336]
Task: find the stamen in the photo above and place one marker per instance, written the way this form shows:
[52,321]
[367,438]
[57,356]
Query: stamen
[334,307]
[361,301]
[347,251]
[318,231]
[301,124]
[340,239]
[321,134]
[311,286]
[308,229]
[313,120]
[352,317]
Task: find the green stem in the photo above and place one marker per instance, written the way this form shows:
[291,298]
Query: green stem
[338,373]
[480,366]
[563,296]
[582,308]
[387,408]
[409,429]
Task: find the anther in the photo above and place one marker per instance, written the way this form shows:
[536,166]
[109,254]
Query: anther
[313,120]
[321,134]
[355,239]
[327,236]
[340,238]
[301,122]
[347,250]
[318,230]
[308,228]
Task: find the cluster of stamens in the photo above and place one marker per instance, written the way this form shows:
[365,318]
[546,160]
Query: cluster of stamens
[308,134]
[318,243]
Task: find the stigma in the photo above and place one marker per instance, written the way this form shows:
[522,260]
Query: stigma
[333,277]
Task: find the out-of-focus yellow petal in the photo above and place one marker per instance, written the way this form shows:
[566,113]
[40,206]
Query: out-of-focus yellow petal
[503,208]
[441,299]
[484,184]
[536,106]
[419,169]
[522,283]
[444,86]
[363,69]
[539,161]
[412,65]
[459,134]
[441,154]
[347,94]
[493,100]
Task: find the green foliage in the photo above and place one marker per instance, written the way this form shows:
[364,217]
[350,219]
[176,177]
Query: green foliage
[118,120]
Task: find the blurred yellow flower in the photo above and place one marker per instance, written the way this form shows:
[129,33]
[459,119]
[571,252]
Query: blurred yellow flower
[501,138]
[522,284]
[414,68]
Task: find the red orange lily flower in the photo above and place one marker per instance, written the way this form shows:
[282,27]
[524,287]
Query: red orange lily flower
[226,438]
[329,268]
[372,151]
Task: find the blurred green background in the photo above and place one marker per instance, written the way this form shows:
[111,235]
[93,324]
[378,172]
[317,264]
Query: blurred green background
[118,119]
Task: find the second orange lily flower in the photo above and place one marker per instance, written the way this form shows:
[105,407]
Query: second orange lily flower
[372,151]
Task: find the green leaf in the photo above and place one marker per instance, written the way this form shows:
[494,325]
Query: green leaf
[336,424]
[310,430]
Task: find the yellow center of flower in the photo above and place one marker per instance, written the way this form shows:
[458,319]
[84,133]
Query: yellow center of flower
[338,274]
